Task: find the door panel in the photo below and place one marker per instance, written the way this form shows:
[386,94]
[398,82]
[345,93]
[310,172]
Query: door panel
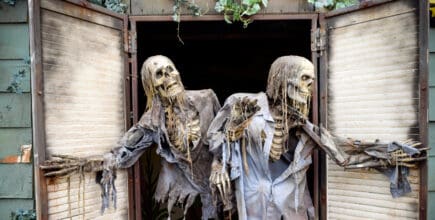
[84,102]
[372,93]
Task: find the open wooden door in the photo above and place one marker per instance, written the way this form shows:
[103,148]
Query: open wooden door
[373,86]
[80,92]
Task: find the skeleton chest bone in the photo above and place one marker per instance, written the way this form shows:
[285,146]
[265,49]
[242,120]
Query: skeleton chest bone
[183,129]
[280,140]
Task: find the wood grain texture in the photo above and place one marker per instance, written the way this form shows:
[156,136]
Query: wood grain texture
[16,181]
[14,41]
[373,94]
[83,67]
[12,138]
[76,11]
[15,110]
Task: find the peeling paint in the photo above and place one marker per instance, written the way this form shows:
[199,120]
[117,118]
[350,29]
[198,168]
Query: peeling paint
[24,157]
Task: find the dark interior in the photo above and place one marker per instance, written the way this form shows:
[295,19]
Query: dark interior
[224,57]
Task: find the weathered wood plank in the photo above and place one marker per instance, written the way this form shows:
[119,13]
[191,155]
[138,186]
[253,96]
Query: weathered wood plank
[376,13]
[7,206]
[432,66]
[16,181]
[83,66]
[15,110]
[431,178]
[76,11]
[13,14]
[11,140]
[432,41]
[362,105]
[165,7]
[432,104]
[14,41]
[431,203]
[14,71]
[432,141]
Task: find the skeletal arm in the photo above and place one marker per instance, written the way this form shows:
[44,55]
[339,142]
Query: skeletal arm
[353,154]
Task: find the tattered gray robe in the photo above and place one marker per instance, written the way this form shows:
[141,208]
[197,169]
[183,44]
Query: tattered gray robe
[258,194]
[179,181]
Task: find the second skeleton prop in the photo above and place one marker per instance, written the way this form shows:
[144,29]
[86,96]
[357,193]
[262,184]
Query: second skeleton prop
[263,142]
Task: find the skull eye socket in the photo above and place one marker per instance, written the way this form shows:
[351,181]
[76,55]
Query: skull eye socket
[159,74]
[305,77]
[169,69]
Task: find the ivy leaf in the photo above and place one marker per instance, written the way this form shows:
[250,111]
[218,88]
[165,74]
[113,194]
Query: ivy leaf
[264,2]
[219,7]
[252,10]
[227,19]
[249,3]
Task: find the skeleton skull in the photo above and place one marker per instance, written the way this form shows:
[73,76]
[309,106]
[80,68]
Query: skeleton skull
[163,76]
[299,86]
[290,81]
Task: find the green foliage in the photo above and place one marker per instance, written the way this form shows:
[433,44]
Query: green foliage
[179,4]
[332,4]
[117,6]
[239,11]
[23,215]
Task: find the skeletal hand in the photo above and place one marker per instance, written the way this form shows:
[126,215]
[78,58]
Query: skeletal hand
[405,153]
[220,180]
[66,165]
[241,115]
[377,154]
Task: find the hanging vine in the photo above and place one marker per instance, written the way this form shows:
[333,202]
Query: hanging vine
[234,10]
[176,16]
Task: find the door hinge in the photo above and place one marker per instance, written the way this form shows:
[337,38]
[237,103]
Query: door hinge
[318,40]
[132,39]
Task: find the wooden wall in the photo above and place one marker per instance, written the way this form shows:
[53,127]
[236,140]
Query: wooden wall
[16,179]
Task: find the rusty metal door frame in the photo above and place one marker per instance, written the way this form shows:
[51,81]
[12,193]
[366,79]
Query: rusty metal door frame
[134,20]
[37,89]
[423,23]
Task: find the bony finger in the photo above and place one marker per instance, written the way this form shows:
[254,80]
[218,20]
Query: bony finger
[220,191]
[227,179]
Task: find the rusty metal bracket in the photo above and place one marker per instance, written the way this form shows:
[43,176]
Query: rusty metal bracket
[132,39]
[318,43]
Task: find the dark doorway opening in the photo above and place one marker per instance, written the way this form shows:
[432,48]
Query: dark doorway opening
[225,58]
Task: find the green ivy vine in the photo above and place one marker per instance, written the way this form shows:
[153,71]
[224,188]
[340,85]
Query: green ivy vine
[117,6]
[332,4]
[235,10]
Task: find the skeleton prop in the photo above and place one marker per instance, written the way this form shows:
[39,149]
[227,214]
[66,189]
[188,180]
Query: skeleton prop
[176,120]
[262,146]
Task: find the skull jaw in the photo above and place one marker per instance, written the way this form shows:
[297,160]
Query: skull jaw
[171,92]
[299,101]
